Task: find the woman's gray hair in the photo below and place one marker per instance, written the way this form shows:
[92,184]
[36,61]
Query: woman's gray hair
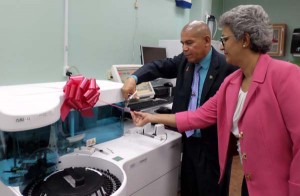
[251,19]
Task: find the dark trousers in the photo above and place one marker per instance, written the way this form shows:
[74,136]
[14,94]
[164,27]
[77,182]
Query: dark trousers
[244,188]
[200,170]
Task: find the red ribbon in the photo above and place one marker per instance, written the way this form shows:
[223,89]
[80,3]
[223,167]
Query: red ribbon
[80,94]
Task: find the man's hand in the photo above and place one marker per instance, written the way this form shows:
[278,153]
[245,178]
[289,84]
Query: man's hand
[128,88]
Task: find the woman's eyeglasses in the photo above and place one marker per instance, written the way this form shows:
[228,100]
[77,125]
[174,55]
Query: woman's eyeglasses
[224,39]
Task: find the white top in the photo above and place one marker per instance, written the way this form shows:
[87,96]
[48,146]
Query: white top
[236,117]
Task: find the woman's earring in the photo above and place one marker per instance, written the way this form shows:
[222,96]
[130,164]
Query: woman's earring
[244,46]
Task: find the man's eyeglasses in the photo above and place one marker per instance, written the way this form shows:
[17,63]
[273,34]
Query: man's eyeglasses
[224,39]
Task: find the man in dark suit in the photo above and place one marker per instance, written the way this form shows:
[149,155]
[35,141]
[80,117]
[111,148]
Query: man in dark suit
[200,167]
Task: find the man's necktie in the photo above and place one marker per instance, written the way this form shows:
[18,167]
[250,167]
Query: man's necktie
[194,96]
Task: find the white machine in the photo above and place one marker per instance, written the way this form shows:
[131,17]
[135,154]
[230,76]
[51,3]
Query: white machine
[121,72]
[41,155]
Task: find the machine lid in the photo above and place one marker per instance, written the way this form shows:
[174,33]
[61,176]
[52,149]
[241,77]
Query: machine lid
[19,113]
[31,106]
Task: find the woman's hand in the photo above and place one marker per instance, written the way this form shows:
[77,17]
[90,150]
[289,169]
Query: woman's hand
[140,118]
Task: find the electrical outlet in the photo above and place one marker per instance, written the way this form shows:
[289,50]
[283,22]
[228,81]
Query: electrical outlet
[109,75]
[65,69]
[136,4]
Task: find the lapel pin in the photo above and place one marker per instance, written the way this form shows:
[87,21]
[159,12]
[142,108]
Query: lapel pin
[211,77]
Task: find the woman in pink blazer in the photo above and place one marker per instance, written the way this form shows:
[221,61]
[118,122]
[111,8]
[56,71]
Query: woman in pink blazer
[259,104]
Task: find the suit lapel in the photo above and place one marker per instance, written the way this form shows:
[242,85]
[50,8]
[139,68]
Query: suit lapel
[186,88]
[258,77]
[209,80]
[232,95]
[189,74]
[249,96]
[212,74]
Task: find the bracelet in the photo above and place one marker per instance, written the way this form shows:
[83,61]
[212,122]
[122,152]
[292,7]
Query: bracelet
[135,78]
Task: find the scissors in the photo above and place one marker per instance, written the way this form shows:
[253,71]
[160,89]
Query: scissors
[129,98]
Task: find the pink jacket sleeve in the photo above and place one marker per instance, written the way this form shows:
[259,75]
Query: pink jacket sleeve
[204,116]
[290,90]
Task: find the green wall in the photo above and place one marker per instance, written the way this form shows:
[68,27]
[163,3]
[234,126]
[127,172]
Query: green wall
[31,41]
[101,33]
[199,9]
